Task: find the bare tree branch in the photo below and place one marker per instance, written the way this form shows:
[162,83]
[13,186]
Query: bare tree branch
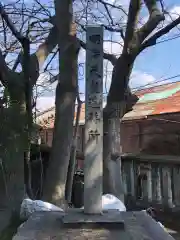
[133,14]
[38,58]
[27,90]
[155,17]
[9,23]
[152,40]
[5,71]
[119,7]
[53,56]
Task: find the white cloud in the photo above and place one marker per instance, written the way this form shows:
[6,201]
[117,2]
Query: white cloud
[45,93]
[113,47]
[44,103]
[174,13]
[44,87]
[139,79]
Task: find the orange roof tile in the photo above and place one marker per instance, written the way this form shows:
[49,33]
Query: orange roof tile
[152,101]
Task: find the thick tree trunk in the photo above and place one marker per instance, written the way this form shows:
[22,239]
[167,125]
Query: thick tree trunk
[66,92]
[119,101]
[54,190]
[112,180]
[12,153]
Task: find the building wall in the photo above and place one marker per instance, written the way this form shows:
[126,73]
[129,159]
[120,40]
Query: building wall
[47,137]
[158,134]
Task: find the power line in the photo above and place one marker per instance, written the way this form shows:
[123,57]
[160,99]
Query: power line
[169,39]
[152,84]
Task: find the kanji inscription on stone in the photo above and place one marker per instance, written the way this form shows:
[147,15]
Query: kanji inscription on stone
[93,169]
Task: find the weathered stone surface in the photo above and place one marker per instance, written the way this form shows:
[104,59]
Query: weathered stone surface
[75,218]
[40,226]
[49,225]
[93,164]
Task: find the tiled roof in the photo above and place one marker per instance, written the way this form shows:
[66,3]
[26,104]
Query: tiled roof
[46,118]
[152,101]
[156,100]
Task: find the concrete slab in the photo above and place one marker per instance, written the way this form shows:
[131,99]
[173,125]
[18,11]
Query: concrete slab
[49,225]
[75,218]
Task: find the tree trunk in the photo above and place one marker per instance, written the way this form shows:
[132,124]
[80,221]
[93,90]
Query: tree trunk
[72,161]
[54,190]
[66,91]
[119,101]
[112,177]
[12,152]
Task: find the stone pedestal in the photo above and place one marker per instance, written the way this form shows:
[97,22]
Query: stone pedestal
[58,226]
[111,219]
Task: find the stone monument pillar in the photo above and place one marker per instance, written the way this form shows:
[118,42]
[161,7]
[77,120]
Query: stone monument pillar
[93,165]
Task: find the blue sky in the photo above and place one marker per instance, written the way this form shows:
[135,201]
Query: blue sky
[155,63]
[161,60]
[158,62]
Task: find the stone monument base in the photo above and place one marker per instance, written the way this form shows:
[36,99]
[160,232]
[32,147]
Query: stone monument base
[59,226]
[75,218]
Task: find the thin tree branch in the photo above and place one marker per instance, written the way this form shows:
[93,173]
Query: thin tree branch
[53,56]
[17,61]
[11,26]
[119,7]
[38,58]
[152,40]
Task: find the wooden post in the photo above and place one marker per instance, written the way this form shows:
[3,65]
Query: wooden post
[93,165]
